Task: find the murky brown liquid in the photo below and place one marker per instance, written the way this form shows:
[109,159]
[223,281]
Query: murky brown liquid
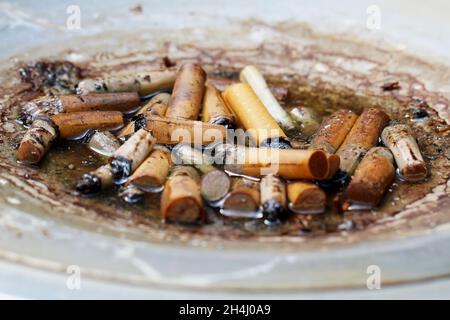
[67,161]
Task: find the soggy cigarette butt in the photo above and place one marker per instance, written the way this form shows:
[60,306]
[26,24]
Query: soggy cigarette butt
[102,142]
[400,141]
[252,76]
[156,106]
[273,197]
[215,110]
[142,83]
[174,131]
[287,163]
[181,200]
[95,181]
[131,154]
[372,178]
[244,196]
[185,154]
[188,90]
[306,118]
[76,123]
[333,165]
[124,102]
[37,140]
[221,84]
[152,173]
[333,130]
[306,198]
[252,114]
[363,136]
[215,185]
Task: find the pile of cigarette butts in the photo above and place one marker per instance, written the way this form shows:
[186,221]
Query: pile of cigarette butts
[173,132]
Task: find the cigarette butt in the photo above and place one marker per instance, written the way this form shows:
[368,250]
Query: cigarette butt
[123,101]
[273,197]
[215,185]
[187,95]
[333,165]
[363,136]
[221,84]
[252,114]
[95,181]
[400,141]
[252,76]
[306,198]
[131,154]
[307,120]
[37,140]
[76,123]
[215,110]
[142,83]
[372,178]
[243,197]
[131,194]
[181,200]
[152,173]
[185,154]
[156,106]
[333,130]
[175,131]
[102,142]
[287,163]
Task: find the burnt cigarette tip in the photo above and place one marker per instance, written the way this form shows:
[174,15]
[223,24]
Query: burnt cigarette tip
[140,122]
[339,181]
[131,194]
[278,143]
[120,168]
[273,211]
[227,123]
[89,184]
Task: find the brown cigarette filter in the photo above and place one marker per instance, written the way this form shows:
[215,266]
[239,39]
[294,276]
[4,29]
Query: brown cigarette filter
[142,83]
[76,123]
[156,106]
[187,95]
[37,140]
[273,196]
[372,178]
[181,200]
[306,198]
[363,136]
[252,114]
[152,173]
[401,142]
[333,131]
[287,163]
[215,110]
[244,196]
[174,131]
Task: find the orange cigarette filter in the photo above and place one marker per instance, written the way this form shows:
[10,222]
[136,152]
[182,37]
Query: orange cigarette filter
[37,140]
[152,173]
[252,114]
[174,131]
[287,163]
[244,195]
[306,197]
[372,178]
[181,200]
[187,94]
[75,123]
[363,136]
[215,110]
[156,106]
